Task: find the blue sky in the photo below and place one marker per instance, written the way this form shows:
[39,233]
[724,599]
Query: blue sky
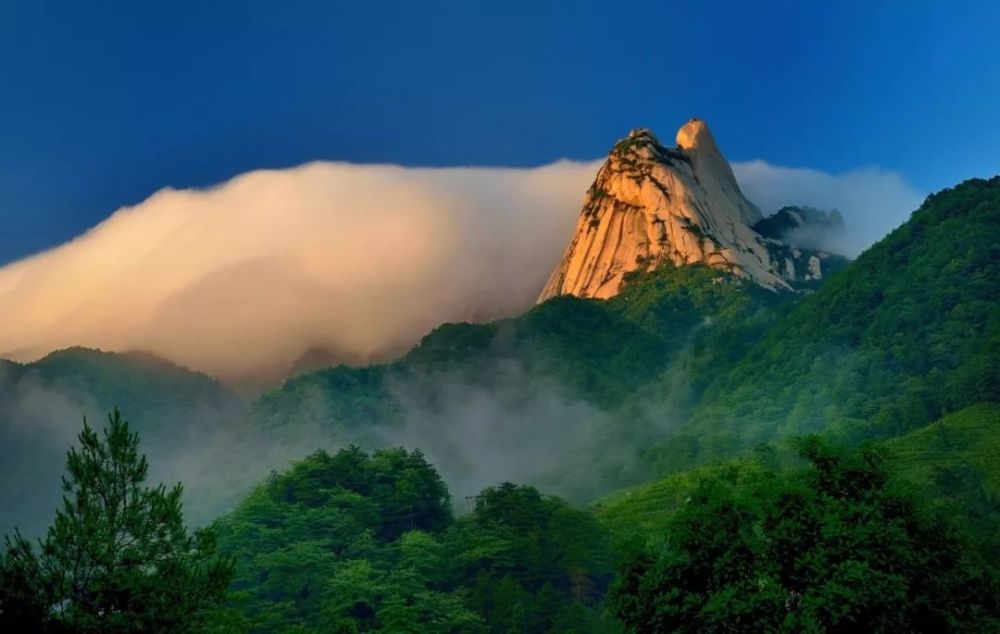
[103,103]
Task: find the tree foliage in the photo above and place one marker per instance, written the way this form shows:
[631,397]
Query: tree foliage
[834,546]
[533,563]
[366,542]
[118,557]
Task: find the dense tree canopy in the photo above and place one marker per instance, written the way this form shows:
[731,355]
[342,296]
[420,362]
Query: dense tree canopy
[359,542]
[533,563]
[835,546]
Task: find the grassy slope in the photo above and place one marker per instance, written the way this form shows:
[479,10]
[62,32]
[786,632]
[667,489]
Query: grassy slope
[968,438]
[964,445]
[642,512]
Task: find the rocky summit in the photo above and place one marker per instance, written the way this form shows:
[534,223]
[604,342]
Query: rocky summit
[651,205]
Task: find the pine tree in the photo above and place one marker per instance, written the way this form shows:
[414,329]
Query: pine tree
[118,557]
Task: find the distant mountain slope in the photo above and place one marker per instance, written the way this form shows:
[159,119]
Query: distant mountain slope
[597,351]
[906,333]
[132,381]
[558,339]
[42,405]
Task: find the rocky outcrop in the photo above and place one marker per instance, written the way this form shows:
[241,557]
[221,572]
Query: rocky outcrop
[803,227]
[651,205]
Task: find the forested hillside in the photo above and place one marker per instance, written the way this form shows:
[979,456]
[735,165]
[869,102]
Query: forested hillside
[907,333]
[600,351]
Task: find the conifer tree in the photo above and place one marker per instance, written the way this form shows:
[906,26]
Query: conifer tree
[118,557]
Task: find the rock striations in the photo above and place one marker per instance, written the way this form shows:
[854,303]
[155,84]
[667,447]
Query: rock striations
[651,205]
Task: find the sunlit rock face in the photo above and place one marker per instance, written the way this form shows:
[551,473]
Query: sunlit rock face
[650,205]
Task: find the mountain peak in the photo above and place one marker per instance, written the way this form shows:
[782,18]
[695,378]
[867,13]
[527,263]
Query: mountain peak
[651,206]
[695,134]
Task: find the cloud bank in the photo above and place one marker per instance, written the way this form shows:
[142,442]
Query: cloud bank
[358,260]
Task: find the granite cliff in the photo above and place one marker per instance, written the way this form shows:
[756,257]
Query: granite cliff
[652,205]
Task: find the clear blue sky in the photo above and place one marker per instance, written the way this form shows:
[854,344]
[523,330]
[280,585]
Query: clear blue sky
[102,103]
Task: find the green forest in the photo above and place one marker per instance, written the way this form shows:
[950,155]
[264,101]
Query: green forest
[701,455]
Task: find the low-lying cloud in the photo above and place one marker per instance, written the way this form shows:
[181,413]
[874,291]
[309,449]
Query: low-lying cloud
[873,201]
[358,260]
